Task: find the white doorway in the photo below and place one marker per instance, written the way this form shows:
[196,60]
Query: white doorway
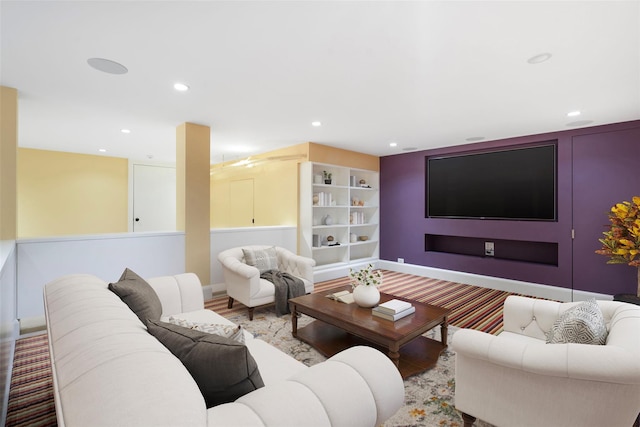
[153,206]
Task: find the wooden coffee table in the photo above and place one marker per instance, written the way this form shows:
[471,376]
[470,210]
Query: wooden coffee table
[339,326]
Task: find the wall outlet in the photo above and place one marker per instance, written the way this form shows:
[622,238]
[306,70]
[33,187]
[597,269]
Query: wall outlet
[401,260]
[489,248]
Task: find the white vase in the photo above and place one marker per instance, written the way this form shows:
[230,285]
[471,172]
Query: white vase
[366,295]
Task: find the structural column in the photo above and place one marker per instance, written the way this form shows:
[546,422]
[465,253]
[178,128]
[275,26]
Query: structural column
[192,197]
[8,160]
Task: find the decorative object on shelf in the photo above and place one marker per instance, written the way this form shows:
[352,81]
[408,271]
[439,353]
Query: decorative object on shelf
[622,242]
[355,201]
[330,238]
[363,182]
[328,220]
[353,238]
[327,177]
[352,180]
[363,238]
[316,199]
[365,286]
[317,179]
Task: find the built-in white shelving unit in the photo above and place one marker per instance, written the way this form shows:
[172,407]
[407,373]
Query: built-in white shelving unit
[339,222]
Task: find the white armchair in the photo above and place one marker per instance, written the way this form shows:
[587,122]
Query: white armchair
[516,379]
[244,283]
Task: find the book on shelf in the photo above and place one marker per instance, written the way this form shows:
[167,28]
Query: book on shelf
[342,296]
[393,306]
[393,317]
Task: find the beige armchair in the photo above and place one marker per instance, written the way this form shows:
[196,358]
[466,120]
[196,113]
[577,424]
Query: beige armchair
[517,379]
[244,283]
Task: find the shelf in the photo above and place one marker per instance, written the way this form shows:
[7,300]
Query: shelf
[337,200]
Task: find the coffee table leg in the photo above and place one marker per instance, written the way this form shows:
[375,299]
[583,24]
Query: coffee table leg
[394,354]
[444,331]
[294,321]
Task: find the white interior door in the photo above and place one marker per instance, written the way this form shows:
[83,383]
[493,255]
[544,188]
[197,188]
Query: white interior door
[154,198]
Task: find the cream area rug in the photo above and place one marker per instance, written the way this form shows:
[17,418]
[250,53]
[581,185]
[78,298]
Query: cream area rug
[429,396]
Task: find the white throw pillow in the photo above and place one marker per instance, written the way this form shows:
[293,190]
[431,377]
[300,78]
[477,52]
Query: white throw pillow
[262,259]
[233,332]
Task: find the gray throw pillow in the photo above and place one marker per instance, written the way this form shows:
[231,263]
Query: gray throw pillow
[223,368]
[262,259]
[581,324]
[134,291]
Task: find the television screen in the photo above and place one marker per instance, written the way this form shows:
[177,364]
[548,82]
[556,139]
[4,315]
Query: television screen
[515,184]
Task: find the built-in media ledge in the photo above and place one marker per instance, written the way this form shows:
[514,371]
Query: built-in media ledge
[515,250]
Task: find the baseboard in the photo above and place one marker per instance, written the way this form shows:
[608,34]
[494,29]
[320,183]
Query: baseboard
[214,290]
[30,325]
[508,285]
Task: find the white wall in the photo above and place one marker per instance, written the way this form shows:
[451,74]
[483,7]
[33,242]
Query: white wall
[106,256]
[227,238]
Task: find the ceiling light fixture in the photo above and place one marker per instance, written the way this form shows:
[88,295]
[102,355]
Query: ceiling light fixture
[538,59]
[180,87]
[316,124]
[107,66]
[125,130]
[102,150]
[573,114]
[393,144]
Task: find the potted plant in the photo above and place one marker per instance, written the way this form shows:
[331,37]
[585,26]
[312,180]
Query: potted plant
[365,286]
[621,243]
[327,177]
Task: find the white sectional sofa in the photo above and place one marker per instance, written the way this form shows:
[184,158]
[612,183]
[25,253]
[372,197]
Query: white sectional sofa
[109,371]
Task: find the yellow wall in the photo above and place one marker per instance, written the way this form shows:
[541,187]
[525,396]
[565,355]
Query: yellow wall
[275,188]
[8,153]
[275,177]
[65,193]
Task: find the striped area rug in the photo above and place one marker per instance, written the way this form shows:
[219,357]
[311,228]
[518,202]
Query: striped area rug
[31,398]
[471,307]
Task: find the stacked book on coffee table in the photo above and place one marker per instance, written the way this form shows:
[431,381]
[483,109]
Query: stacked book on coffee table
[393,309]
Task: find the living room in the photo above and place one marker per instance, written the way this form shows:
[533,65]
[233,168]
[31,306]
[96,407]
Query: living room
[596,162]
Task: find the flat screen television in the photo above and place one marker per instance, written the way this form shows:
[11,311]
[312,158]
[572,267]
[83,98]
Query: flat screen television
[512,184]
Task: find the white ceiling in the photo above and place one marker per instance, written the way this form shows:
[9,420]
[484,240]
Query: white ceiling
[423,74]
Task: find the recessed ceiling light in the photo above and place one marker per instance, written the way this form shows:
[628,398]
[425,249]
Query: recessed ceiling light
[393,144]
[573,114]
[125,130]
[539,58]
[102,150]
[180,87]
[107,66]
[475,138]
[316,124]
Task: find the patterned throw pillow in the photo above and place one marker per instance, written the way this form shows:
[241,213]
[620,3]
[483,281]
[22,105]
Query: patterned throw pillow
[581,324]
[262,259]
[236,333]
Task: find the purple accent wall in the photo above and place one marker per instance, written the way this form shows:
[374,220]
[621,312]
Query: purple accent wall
[592,162]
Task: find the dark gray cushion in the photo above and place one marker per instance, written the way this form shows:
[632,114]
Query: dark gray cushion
[138,295]
[223,368]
